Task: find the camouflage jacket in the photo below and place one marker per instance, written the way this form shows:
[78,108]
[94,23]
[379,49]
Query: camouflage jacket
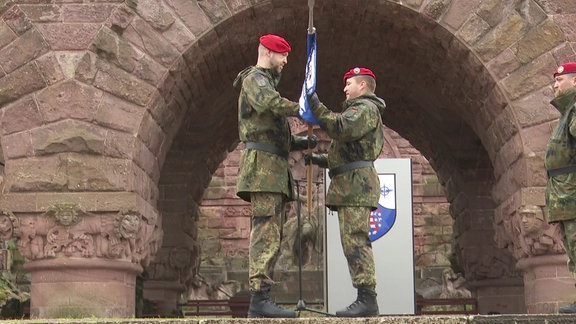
[561,152]
[262,118]
[357,135]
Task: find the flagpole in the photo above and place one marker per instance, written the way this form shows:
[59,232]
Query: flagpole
[311,30]
[301,305]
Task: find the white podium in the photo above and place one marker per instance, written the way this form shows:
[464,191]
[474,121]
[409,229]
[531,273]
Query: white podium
[391,233]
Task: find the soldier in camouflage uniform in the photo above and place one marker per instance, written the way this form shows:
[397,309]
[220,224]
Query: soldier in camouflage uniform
[265,179]
[560,163]
[357,140]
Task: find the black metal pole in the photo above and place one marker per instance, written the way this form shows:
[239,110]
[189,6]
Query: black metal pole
[301,305]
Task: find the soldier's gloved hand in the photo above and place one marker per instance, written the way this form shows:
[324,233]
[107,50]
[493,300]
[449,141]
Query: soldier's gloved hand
[312,141]
[314,159]
[303,142]
[313,100]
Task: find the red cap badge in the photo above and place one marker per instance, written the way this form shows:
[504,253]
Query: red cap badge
[275,43]
[358,71]
[566,68]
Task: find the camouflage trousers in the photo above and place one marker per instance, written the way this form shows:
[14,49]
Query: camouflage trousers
[354,226]
[268,214]
[568,228]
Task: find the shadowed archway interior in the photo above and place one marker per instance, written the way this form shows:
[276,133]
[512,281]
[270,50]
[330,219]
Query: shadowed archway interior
[435,88]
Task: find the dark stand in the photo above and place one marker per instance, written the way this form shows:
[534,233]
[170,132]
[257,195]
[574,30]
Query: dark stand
[301,305]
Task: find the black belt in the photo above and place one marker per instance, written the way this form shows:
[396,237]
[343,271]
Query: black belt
[350,166]
[563,170]
[267,148]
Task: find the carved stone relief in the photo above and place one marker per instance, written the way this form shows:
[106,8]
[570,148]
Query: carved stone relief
[533,235]
[66,230]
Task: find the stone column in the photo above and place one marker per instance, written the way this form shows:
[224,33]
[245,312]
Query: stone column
[499,296]
[83,250]
[547,283]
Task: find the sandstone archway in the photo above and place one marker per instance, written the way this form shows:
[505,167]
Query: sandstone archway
[126,108]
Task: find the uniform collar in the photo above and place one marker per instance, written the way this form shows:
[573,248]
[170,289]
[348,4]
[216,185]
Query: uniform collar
[565,101]
[275,77]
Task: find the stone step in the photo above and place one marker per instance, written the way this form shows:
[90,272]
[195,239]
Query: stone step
[408,319]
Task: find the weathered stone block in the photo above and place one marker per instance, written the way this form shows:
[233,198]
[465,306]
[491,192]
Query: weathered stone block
[151,42]
[191,14]
[435,8]
[89,13]
[179,35]
[533,195]
[216,11]
[504,64]
[500,37]
[42,12]
[495,11]
[538,40]
[458,12]
[536,171]
[17,84]
[508,154]
[123,84]
[566,24]
[558,6]
[151,134]
[51,69]
[45,177]
[68,99]
[17,20]
[110,47]
[533,75]
[6,35]
[68,36]
[119,114]
[153,12]
[535,138]
[17,145]
[238,5]
[68,136]
[20,115]
[148,172]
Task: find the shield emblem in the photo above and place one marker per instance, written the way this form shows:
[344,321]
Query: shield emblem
[383,218]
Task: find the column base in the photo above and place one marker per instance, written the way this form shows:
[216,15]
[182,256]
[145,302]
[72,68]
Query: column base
[547,283]
[499,296]
[79,288]
[166,294]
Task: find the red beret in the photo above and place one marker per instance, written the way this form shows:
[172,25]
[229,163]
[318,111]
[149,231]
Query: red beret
[358,71]
[275,43]
[569,67]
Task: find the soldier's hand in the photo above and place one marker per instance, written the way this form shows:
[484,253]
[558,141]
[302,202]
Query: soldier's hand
[312,141]
[313,100]
[312,158]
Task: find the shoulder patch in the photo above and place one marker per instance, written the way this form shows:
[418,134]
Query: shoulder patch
[260,80]
[350,111]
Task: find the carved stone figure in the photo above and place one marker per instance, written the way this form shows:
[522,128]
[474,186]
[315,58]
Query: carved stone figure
[453,285]
[124,240]
[536,236]
[6,225]
[65,213]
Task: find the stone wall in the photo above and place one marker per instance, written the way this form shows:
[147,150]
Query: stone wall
[123,106]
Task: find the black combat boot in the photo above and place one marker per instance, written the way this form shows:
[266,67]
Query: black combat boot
[365,305]
[262,306]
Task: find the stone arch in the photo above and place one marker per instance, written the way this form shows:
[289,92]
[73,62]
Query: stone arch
[128,102]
